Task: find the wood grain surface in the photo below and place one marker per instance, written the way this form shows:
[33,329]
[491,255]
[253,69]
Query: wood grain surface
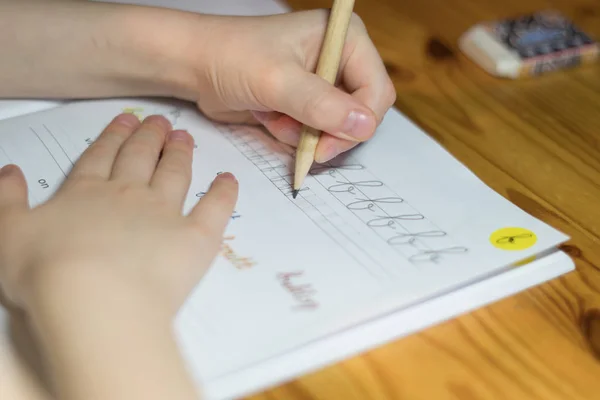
[536,142]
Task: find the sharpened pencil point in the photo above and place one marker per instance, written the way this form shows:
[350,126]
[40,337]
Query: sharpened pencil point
[294,194]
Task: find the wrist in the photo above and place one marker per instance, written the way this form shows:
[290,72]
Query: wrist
[142,51]
[80,293]
[95,49]
[149,50]
[95,331]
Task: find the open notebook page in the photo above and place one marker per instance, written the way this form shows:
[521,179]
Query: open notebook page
[391,224]
[377,332]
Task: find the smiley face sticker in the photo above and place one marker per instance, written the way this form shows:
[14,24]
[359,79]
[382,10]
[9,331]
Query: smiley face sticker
[513,239]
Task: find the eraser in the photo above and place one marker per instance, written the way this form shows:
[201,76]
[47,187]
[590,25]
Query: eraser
[528,45]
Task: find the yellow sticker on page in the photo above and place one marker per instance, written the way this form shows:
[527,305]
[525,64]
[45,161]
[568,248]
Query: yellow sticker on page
[513,239]
[137,111]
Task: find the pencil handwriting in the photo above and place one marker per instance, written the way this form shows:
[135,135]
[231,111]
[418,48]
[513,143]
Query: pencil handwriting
[390,220]
[235,259]
[410,238]
[303,293]
[351,186]
[369,204]
[434,255]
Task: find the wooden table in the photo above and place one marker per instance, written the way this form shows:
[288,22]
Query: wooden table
[536,142]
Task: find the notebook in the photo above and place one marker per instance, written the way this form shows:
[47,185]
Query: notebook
[397,235]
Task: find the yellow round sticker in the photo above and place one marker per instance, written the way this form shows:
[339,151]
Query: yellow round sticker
[513,238]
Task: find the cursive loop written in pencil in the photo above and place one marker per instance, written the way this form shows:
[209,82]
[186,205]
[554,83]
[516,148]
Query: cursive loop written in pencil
[350,187]
[410,238]
[389,220]
[369,204]
[435,255]
[330,169]
[395,222]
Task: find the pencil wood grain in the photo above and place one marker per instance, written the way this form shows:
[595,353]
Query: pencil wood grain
[327,68]
[536,142]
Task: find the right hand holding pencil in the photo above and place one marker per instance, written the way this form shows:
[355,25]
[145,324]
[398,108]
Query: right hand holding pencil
[263,68]
[237,69]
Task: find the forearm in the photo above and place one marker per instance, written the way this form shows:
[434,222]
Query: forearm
[102,340]
[82,49]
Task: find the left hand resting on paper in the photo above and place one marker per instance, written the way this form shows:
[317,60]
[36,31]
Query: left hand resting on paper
[102,268]
[237,69]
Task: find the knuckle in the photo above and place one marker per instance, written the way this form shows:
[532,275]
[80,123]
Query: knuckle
[175,175]
[128,192]
[224,198]
[312,107]
[179,163]
[390,95]
[357,22]
[270,83]
[158,123]
[139,148]
[102,149]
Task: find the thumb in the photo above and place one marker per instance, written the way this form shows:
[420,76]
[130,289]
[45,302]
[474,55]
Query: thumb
[13,188]
[313,101]
[213,211]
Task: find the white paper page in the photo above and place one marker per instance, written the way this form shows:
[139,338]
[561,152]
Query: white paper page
[297,270]
[377,332]
[12,108]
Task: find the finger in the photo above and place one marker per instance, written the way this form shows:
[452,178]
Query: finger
[330,147]
[311,100]
[288,131]
[214,210]
[98,159]
[13,188]
[137,159]
[282,127]
[230,117]
[364,75]
[174,171]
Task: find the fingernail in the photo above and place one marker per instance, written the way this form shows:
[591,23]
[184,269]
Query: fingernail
[358,126]
[181,136]
[128,120]
[227,176]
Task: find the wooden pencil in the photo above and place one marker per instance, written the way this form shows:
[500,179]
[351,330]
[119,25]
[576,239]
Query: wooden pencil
[327,68]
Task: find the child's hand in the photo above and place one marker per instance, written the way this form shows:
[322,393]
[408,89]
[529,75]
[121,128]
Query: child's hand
[237,69]
[265,65]
[117,220]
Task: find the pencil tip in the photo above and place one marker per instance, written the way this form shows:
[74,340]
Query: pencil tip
[294,194]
